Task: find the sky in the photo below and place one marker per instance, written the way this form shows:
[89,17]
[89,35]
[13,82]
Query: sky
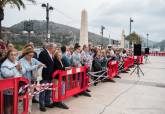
[148,15]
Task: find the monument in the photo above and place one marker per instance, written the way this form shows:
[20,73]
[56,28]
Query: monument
[84,28]
[122,43]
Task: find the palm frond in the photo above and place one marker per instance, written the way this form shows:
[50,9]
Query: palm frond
[14,3]
[21,3]
[33,1]
[17,3]
[2,3]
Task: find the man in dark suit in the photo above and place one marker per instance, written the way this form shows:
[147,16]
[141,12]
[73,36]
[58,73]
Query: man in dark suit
[46,57]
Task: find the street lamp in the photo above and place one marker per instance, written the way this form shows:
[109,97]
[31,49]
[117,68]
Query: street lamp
[102,32]
[147,39]
[48,8]
[130,21]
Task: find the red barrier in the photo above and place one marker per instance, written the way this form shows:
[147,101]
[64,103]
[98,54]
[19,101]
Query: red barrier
[126,64]
[139,59]
[151,54]
[13,83]
[69,83]
[131,61]
[112,69]
[157,54]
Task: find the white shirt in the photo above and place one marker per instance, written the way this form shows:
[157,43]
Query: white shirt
[51,56]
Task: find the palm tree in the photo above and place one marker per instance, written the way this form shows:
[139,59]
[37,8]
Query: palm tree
[134,38]
[17,3]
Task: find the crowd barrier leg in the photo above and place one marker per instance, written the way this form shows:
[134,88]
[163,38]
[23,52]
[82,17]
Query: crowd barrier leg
[1,102]
[26,103]
[16,98]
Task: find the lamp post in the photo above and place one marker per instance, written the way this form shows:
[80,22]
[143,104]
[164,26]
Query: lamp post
[130,24]
[147,39]
[102,33]
[48,8]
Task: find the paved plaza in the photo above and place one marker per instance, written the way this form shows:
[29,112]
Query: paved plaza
[129,95]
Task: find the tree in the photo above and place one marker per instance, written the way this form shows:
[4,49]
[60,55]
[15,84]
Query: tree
[17,3]
[134,38]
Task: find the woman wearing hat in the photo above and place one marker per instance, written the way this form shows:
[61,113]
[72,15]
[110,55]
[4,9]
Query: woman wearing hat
[31,65]
[24,51]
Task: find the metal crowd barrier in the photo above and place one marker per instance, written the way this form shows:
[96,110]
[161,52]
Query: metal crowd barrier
[126,63]
[13,85]
[112,69]
[139,59]
[68,83]
[157,54]
[131,61]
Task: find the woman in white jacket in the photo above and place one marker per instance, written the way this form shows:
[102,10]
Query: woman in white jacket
[10,68]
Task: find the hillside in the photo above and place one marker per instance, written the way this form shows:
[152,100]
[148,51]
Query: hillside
[58,33]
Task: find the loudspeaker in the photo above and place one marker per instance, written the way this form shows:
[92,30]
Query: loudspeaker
[147,51]
[137,50]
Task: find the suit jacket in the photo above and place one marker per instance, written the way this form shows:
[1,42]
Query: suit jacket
[47,60]
[58,65]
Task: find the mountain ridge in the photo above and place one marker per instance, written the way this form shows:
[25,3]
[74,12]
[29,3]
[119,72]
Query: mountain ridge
[58,32]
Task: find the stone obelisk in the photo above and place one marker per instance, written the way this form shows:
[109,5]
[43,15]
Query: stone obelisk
[122,45]
[84,28]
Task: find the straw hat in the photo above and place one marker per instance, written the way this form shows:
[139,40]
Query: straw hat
[27,50]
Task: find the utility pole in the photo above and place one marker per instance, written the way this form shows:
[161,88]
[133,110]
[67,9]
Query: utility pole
[48,8]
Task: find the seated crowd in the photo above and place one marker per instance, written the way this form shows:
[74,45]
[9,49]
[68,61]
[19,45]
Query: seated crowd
[51,58]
